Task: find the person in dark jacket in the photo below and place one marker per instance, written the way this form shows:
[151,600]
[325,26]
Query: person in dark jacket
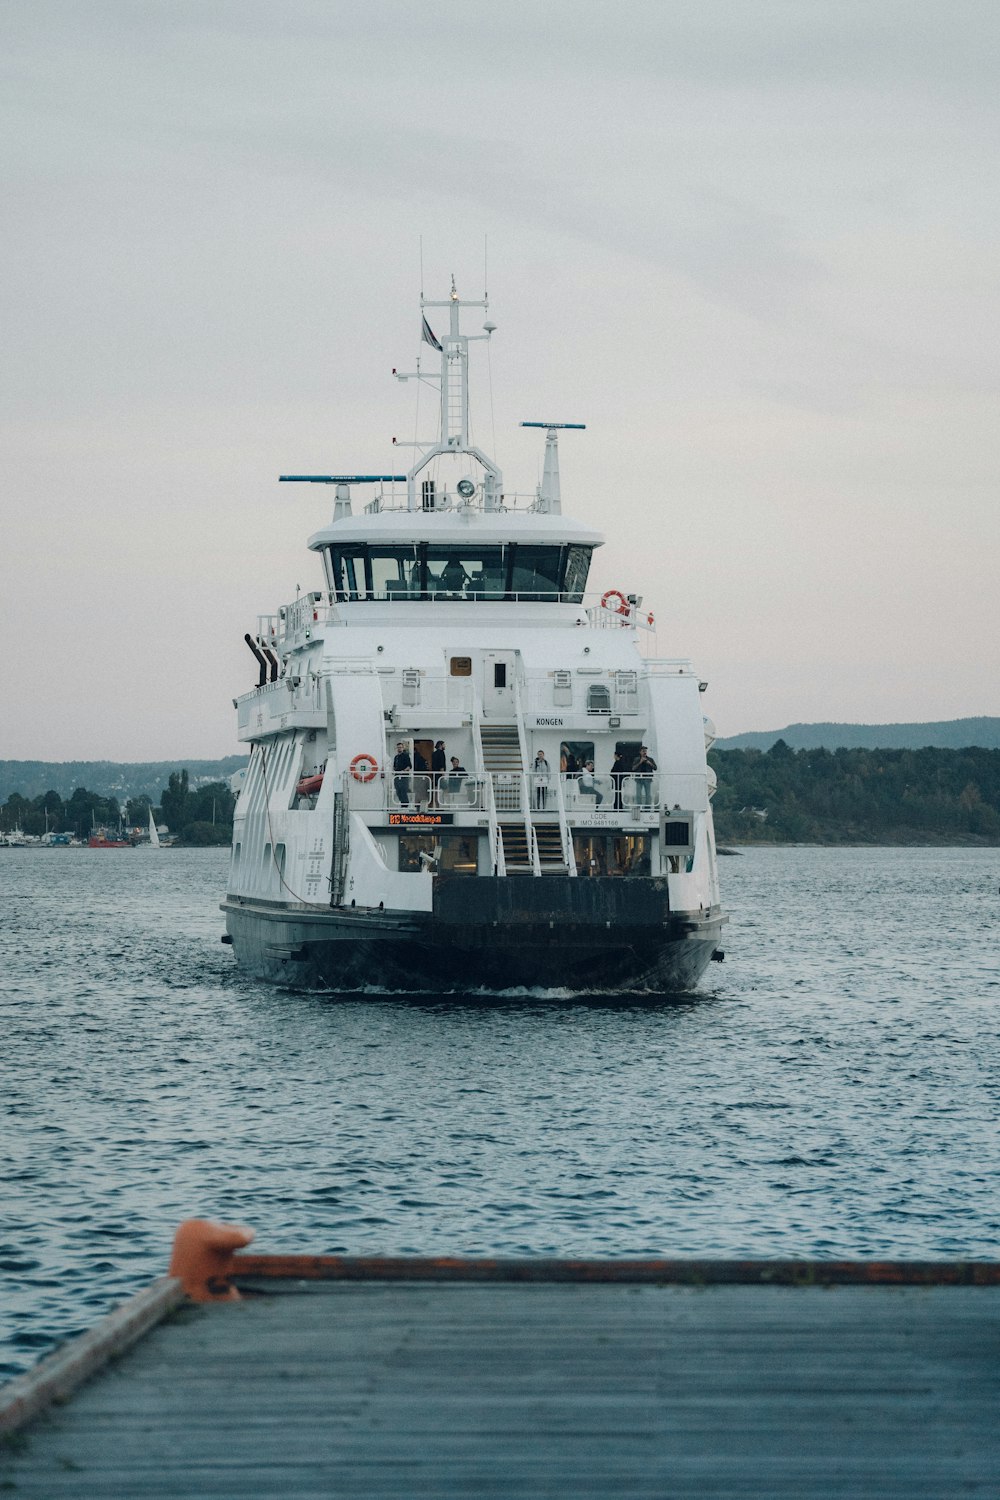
[439,764]
[401,763]
[457,775]
[642,775]
[422,781]
[619,770]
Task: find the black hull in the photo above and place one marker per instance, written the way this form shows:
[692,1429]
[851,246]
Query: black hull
[582,935]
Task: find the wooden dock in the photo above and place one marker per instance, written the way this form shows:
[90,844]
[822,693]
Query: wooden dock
[567,1386]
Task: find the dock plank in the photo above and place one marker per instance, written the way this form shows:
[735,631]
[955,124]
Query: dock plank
[425,1392]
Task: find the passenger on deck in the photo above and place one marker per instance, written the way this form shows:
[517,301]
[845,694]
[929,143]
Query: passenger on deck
[588,786]
[438,764]
[619,770]
[540,771]
[456,776]
[421,783]
[642,776]
[401,784]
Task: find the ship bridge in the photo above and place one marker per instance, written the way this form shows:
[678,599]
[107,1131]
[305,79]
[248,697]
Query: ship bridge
[466,557]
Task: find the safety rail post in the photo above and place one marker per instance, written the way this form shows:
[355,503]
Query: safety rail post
[522,742]
[485,780]
[496,838]
[564,829]
[529,827]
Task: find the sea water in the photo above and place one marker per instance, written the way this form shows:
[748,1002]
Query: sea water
[831,1090]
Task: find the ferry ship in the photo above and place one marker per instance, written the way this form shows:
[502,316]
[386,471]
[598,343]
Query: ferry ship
[466,771]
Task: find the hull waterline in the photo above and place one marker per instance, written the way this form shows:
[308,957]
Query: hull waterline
[580,936]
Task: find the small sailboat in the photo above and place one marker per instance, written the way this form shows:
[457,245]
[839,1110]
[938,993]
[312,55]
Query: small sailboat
[154,837]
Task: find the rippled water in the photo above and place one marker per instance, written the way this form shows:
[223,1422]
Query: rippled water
[832,1091]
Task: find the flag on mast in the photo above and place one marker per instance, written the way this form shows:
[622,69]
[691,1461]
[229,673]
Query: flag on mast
[428,335]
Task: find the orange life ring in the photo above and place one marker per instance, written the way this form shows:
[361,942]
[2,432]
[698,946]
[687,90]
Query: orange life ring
[622,607]
[364,767]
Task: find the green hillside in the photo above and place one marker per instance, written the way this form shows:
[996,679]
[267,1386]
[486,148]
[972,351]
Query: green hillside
[945,734]
[923,796]
[108,778]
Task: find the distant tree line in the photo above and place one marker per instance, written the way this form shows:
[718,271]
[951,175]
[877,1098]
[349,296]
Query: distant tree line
[857,796]
[195,815]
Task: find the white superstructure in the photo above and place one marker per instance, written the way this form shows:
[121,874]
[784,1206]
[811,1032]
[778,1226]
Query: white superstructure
[395,811]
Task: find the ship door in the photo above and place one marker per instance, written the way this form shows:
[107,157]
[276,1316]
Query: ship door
[498,684]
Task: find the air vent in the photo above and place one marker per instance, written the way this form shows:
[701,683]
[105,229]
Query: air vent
[677,835]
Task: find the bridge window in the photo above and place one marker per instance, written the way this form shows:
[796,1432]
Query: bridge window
[395,572]
[515,571]
[466,572]
[535,572]
[575,577]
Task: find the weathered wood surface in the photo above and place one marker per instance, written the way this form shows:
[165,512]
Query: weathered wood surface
[58,1375]
[425,1392]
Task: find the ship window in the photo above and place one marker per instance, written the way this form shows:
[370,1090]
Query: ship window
[466,572]
[574,755]
[612,854]
[461,666]
[535,572]
[395,572]
[407,571]
[441,854]
[347,565]
[575,578]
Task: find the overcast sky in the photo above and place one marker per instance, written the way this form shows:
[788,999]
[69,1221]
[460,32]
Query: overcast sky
[751,243]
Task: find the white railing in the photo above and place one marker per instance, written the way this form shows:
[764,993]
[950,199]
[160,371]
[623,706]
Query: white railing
[564,831]
[522,796]
[602,616]
[631,794]
[430,694]
[526,797]
[496,841]
[416,791]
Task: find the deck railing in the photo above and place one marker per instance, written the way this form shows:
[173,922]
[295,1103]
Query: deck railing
[521,795]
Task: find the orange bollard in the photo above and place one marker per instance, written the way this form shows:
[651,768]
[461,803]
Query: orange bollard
[203,1258]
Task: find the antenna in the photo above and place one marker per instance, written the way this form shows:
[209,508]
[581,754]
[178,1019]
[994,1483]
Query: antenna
[421,268]
[548,499]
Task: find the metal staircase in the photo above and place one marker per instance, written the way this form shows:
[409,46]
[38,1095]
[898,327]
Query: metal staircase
[529,847]
[501,748]
[516,853]
[504,765]
[549,841]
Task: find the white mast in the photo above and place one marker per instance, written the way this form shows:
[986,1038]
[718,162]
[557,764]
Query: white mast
[454,384]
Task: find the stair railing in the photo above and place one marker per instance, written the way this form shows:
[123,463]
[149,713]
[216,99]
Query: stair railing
[564,829]
[526,789]
[486,782]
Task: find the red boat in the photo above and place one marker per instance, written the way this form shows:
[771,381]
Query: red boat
[101,841]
